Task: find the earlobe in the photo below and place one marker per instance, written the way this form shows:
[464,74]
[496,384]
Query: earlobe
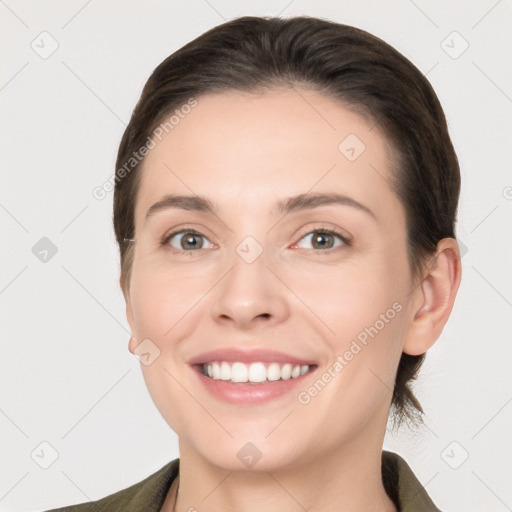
[132,344]
[434,298]
[129,317]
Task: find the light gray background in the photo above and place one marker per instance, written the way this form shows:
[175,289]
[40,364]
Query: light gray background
[67,377]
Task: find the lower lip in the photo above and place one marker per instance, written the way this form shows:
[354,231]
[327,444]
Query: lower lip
[243,393]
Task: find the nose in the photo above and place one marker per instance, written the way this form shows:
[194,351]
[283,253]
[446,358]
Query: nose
[250,295]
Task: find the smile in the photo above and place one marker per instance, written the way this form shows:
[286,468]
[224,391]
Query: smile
[257,372]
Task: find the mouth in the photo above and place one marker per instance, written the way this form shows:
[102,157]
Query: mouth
[247,377]
[258,372]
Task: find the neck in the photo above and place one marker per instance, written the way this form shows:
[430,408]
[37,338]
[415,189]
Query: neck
[348,478]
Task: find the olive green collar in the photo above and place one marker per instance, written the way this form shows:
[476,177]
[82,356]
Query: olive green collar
[403,487]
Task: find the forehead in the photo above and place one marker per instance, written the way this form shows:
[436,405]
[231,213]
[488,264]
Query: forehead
[252,150]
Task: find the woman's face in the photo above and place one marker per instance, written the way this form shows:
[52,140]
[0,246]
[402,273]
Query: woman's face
[263,281]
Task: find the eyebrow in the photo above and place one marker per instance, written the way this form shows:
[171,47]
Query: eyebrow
[292,204]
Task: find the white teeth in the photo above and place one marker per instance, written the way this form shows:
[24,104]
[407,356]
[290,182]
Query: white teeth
[239,373]
[286,372]
[273,372]
[225,371]
[255,372]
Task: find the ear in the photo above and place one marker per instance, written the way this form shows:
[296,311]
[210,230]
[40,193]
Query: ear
[132,344]
[433,299]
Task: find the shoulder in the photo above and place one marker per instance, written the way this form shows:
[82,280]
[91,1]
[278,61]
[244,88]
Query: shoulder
[148,494]
[403,487]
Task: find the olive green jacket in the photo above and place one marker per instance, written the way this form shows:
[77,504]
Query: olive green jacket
[149,494]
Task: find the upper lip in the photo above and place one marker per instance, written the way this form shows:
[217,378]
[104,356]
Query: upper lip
[247,356]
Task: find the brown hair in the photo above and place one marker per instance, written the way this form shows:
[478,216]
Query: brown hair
[252,54]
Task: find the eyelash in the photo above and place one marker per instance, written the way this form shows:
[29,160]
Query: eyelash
[347,242]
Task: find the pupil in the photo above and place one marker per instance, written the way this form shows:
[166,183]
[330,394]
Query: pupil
[321,240]
[190,240]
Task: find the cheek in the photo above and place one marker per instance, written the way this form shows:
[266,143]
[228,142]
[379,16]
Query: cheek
[164,302]
[363,309]
[165,310]
[350,298]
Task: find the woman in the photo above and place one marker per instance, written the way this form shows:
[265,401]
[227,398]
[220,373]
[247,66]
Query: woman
[285,201]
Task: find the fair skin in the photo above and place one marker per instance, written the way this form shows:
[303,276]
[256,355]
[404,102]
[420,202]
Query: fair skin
[245,153]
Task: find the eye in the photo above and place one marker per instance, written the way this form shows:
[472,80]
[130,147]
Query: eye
[324,239]
[186,240]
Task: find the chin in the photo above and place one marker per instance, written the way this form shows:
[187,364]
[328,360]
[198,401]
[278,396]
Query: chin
[251,459]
